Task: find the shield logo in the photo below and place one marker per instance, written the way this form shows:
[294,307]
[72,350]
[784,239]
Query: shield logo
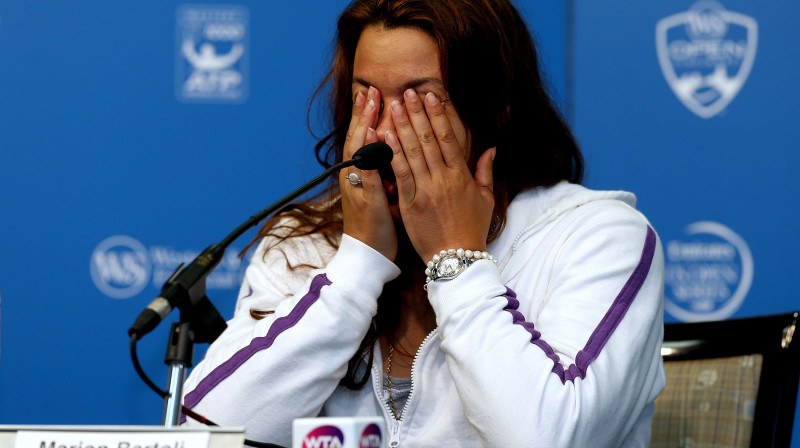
[706,55]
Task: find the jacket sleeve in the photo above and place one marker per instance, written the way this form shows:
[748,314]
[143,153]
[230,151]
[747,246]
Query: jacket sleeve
[262,374]
[574,358]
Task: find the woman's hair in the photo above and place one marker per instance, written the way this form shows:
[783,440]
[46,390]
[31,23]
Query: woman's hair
[490,70]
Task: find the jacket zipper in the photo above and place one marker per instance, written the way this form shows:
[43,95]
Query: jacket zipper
[394,435]
[377,375]
[414,366]
[377,388]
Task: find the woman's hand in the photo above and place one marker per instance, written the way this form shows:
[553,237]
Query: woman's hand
[442,205]
[365,208]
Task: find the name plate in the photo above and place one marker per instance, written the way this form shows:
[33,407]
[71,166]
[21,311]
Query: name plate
[121,439]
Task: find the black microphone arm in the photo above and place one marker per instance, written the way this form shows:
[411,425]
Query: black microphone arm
[186,286]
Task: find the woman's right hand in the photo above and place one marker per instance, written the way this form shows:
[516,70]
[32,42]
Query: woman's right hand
[365,208]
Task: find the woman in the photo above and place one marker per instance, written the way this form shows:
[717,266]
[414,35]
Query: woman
[552,340]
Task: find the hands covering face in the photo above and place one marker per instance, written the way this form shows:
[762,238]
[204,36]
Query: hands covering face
[441,204]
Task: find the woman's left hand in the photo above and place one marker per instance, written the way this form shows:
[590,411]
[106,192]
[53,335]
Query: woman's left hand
[442,205]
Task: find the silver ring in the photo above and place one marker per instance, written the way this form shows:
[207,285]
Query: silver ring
[354,179]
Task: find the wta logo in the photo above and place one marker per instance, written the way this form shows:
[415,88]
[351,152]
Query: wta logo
[324,437]
[371,437]
[330,436]
[706,55]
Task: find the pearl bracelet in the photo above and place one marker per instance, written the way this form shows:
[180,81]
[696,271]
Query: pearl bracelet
[448,264]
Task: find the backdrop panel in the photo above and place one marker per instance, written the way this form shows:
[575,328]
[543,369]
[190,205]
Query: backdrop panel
[692,106]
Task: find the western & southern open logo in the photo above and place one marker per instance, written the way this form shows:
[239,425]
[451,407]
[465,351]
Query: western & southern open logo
[706,54]
[121,267]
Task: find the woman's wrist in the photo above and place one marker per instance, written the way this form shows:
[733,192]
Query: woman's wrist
[449,264]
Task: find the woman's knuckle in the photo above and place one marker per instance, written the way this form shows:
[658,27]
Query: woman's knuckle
[427,138]
[414,151]
[449,137]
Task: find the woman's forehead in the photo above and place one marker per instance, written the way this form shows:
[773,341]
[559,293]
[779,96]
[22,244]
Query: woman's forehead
[397,58]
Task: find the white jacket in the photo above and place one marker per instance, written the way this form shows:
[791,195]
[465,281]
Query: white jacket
[556,346]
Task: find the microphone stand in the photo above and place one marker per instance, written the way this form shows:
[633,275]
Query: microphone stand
[199,320]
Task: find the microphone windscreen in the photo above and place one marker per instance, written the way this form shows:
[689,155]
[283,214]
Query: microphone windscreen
[373,156]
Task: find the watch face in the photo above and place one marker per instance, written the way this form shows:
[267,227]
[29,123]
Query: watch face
[449,266]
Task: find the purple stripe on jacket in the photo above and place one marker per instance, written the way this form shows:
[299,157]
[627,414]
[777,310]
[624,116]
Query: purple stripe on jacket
[607,325]
[261,343]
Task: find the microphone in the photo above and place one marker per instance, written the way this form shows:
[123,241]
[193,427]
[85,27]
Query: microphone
[185,288]
[373,156]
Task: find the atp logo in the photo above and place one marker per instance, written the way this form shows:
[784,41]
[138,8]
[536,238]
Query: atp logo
[324,437]
[212,53]
[120,267]
[708,273]
[706,55]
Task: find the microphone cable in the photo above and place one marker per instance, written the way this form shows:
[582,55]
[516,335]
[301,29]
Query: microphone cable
[188,412]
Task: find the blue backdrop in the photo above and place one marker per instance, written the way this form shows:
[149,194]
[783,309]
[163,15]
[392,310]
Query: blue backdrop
[692,105]
[134,134]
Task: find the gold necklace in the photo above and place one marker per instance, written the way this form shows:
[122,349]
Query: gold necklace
[389,381]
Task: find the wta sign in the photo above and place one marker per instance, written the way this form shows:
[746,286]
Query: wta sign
[338,432]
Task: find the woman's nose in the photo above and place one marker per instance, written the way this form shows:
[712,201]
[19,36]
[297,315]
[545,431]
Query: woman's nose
[384,122]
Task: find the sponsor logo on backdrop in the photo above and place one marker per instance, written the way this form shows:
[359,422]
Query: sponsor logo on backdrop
[706,55]
[708,273]
[212,56]
[121,267]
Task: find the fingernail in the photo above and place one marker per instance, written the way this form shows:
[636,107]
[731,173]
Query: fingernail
[411,95]
[360,98]
[372,91]
[388,137]
[396,109]
[431,99]
[370,106]
[371,134]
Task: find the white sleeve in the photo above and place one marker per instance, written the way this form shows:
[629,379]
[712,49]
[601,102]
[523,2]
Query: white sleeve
[582,366]
[262,374]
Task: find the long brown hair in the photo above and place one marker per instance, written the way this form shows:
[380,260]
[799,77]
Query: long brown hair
[490,70]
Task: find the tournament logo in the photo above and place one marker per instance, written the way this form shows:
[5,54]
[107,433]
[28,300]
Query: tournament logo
[706,55]
[708,274]
[212,54]
[120,267]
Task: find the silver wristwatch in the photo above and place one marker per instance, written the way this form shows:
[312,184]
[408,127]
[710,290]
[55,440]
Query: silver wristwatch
[450,263]
[450,266]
